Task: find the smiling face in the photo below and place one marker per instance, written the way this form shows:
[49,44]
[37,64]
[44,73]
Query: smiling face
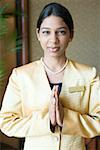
[54,36]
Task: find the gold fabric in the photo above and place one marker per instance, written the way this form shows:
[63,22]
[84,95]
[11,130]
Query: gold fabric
[24,111]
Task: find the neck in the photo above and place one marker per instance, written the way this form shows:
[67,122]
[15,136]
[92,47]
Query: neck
[55,63]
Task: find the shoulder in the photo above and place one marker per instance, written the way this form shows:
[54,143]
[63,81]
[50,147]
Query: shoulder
[27,69]
[28,66]
[83,70]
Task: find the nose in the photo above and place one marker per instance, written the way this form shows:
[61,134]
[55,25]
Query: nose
[54,38]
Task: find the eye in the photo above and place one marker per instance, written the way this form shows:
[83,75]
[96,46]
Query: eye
[61,32]
[45,32]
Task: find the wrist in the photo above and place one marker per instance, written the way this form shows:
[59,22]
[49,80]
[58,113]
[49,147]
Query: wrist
[52,127]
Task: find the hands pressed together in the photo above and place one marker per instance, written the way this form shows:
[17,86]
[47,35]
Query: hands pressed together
[56,112]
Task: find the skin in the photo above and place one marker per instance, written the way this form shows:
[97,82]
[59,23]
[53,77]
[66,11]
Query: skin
[54,37]
[56,112]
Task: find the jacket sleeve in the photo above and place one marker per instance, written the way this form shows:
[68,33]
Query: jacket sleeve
[13,122]
[86,125]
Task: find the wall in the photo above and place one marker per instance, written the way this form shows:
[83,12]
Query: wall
[85,47]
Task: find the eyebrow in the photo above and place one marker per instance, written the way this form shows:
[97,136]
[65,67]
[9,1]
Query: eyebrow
[57,28]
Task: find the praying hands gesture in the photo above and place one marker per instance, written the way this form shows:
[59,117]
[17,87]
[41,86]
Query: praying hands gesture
[56,112]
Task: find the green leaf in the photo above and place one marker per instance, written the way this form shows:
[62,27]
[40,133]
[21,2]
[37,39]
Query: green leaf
[3,27]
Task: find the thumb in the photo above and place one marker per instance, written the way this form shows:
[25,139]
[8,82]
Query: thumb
[56,90]
[53,91]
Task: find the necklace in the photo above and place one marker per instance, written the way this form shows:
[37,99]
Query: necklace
[52,72]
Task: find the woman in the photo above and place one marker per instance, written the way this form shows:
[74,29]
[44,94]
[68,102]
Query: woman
[53,102]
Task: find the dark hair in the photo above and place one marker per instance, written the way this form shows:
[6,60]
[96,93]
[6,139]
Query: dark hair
[56,9]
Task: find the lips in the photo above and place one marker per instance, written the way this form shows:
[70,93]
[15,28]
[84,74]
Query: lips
[53,49]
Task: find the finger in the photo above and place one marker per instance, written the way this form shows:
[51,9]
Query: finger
[57,106]
[53,91]
[52,113]
[53,102]
[57,97]
[56,90]
[59,114]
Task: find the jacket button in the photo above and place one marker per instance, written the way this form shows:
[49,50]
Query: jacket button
[57,139]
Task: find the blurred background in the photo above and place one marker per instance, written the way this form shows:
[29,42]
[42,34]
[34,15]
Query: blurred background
[19,45]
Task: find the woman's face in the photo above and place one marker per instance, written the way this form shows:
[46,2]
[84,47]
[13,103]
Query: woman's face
[54,36]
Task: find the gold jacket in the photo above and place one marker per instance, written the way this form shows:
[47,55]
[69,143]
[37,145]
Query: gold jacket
[24,111]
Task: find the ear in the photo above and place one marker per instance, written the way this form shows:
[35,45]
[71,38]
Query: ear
[70,39]
[37,33]
[71,36]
